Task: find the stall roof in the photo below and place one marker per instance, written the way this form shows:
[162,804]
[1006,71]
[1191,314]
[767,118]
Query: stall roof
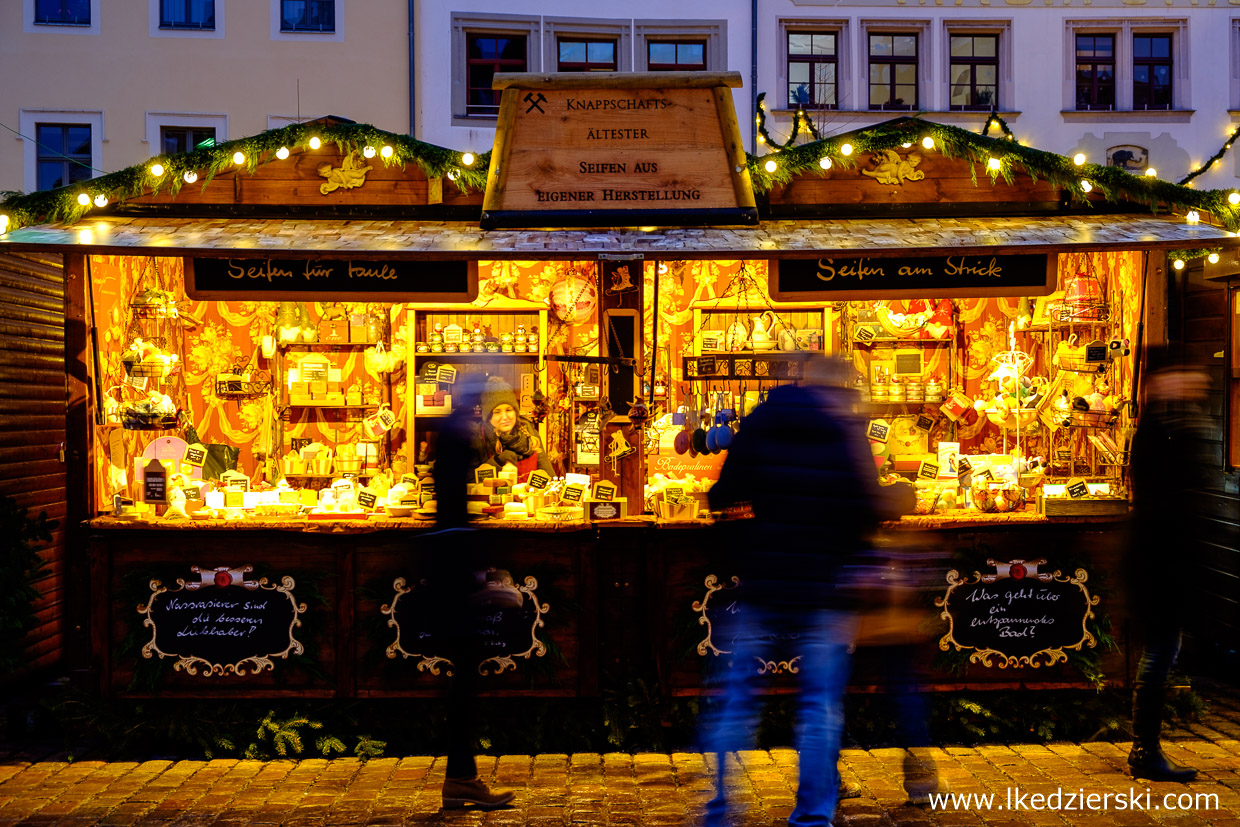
[456,240]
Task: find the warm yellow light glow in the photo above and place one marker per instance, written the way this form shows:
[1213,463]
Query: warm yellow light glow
[905,146]
[86,237]
[1178,264]
[4,223]
[101,200]
[386,152]
[1233,198]
[282,153]
[453,175]
[771,166]
[238,158]
[761,139]
[83,199]
[647,229]
[927,142]
[1192,217]
[1212,258]
[1088,187]
[1078,158]
[157,170]
[824,162]
[368,151]
[315,143]
[846,149]
[1151,173]
[994,163]
[190,176]
[468,159]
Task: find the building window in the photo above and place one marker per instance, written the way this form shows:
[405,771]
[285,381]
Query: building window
[308,15]
[578,55]
[974,71]
[893,70]
[1151,71]
[1095,71]
[486,54]
[173,140]
[62,12]
[187,14]
[62,154]
[813,82]
[676,55]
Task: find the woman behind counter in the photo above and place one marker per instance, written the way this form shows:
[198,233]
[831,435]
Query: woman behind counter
[506,436]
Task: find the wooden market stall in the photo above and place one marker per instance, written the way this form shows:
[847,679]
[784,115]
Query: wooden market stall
[275,349]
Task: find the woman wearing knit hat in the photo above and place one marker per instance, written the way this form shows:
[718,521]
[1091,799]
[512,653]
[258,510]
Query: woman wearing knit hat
[508,437]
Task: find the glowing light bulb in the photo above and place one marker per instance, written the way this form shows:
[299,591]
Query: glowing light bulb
[1233,198]
[1212,258]
[4,223]
[1178,264]
[994,163]
[927,142]
[368,151]
[157,170]
[846,149]
[238,158]
[468,159]
[1151,173]
[101,200]
[282,153]
[905,146]
[1192,217]
[1087,187]
[386,152]
[83,199]
[771,166]
[761,139]
[824,162]
[1078,158]
[190,176]
[453,175]
[315,143]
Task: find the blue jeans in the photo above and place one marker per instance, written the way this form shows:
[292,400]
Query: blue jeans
[822,641]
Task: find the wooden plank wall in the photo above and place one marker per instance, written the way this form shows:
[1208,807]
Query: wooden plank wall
[32,422]
[1197,316]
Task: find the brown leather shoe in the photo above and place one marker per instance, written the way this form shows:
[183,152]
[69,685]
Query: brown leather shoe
[459,792]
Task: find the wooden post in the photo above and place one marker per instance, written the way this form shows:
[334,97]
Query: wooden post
[79,466]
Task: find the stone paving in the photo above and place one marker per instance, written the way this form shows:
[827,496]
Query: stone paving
[630,790]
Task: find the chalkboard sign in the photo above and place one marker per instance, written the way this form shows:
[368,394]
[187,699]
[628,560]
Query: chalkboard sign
[720,611]
[833,279]
[504,631]
[222,623]
[154,483]
[1017,616]
[310,279]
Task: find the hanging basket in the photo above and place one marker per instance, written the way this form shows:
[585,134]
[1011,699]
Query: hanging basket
[1084,299]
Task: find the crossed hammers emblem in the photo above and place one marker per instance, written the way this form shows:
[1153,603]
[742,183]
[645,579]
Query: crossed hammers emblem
[534,102]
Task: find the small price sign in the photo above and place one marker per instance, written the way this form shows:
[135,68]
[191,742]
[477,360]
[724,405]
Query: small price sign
[1077,489]
[604,491]
[427,490]
[539,480]
[928,470]
[484,472]
[366,499]
[154,483]
[878,431]
[865,334]
[409,479]
[234,499]
[574,493]
[196,454]
[447,374]
[924,423]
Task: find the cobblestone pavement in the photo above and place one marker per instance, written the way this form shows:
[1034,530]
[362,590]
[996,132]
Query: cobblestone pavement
[620,789]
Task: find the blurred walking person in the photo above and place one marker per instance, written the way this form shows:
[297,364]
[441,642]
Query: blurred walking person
[801,463]
[1165,448]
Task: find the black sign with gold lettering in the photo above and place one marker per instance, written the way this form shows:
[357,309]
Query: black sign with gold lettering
[829,279]
[318,278]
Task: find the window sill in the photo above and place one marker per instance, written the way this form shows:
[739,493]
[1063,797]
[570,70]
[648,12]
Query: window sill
[1128,115]
[65,23]
[307,31]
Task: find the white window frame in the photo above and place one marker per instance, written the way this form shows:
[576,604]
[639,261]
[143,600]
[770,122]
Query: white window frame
[29,26]
[470,23]
[845,82]
[927,89]
[156,121]
[217,32]
[714,32]
[28,119]
[1234,62]
[336,36]
[1001,29]
[1124,29]
[591,28]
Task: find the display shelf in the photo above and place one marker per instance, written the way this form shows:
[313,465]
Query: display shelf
[327,345]
[239,389]
[166,423]
[472,357]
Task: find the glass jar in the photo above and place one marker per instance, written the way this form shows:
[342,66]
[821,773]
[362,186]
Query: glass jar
[895,392]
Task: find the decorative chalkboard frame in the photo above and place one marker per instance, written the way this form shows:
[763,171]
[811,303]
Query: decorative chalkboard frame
[702,609]
[495,665]
[221,578]
[1022,575]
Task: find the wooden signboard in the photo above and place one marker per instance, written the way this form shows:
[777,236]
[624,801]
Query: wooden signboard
[833,279]
[592,149]
[312,279]
[1017,616]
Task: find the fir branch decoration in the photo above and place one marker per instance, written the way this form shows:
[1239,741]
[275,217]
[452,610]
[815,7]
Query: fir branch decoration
[1209,162]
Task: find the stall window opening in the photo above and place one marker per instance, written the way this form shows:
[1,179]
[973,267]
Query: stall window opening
[1095,71]
[676,55]
[63,154]
[1151,71]
[813,79]
[187,14]
[974,71]
[62,12]
[577,55]
[177,139]
[308,15]
[487,54]
[893,71]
